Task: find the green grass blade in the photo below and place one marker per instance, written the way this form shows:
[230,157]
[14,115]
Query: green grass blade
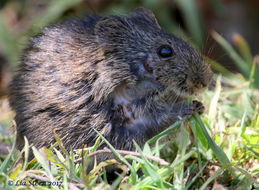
[220,155]
[8,160]
[214,102]
[149,167]
[211,178]
[195,177]
[165,133]
[193,19]
[164,172]
[9,43]
[182,143]
[254,76]
[239,61]
[218,67]
[42,162]
[121,158]
[243,48]
[54,11]
[199,135]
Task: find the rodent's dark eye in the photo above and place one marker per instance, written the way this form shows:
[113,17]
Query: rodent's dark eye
[165,51]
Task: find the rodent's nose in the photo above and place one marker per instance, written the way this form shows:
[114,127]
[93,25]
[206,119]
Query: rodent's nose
[197,81]
[204,84]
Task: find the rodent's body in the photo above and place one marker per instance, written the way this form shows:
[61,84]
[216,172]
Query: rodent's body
[105,73]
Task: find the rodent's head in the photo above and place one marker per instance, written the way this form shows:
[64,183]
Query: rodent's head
[180,67]
[138,46]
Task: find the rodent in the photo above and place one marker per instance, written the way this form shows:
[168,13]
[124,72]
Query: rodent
[121,75]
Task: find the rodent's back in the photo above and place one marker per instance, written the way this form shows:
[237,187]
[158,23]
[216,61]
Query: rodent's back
[53,87]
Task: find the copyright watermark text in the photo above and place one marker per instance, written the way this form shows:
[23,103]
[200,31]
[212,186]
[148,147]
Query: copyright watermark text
[33,183]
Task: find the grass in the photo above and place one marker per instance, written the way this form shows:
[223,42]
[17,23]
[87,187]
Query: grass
[220,149]
[224,150]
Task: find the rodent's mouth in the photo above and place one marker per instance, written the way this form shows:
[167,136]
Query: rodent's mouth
[182,90]
[188,88]
[186,92]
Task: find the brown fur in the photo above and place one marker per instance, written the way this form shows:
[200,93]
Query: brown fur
[104,73]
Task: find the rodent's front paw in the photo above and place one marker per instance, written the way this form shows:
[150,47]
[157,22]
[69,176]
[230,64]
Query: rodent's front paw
[198,107]
[187,110]
[118,118]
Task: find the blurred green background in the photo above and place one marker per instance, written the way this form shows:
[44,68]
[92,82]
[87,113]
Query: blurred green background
[192,19]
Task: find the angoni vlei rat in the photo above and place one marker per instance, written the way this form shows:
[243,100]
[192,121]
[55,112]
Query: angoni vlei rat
[123,76]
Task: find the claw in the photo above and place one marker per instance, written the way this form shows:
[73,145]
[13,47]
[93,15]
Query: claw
[198,107]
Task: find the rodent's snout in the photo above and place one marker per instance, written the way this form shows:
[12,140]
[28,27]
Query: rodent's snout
[199,80]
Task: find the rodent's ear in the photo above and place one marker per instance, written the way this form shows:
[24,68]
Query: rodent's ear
[144,13]
[110,29]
